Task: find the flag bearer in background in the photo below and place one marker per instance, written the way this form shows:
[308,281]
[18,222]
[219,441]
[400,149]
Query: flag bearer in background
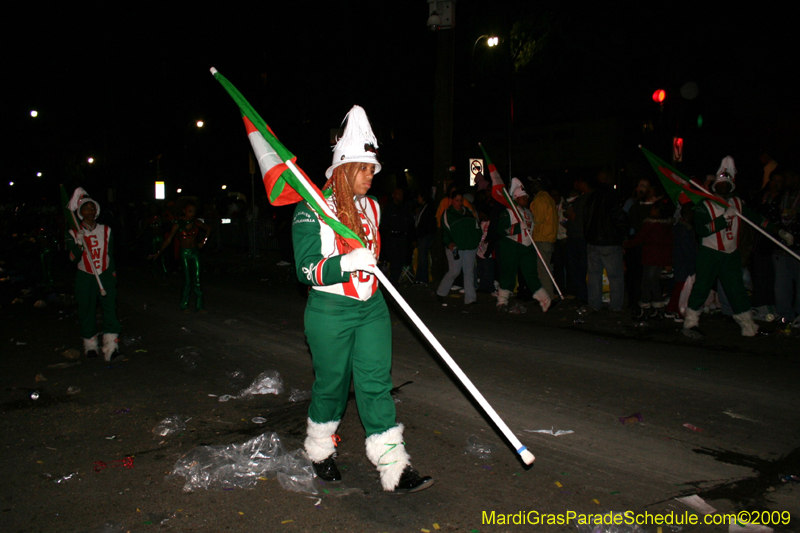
[517,251]
[346,319]
[718,256]
[91,244]
[187,228]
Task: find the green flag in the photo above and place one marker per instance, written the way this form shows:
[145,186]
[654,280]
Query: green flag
[677,185]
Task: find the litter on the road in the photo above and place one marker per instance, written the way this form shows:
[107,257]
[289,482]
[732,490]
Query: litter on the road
[268,382]
[299,395]
[242,465]
[73,390]
[697,503]
[64,479]
[258,420]
[740,417]
[478,448]
[72,353]
[632,419]
[169,426]
[126,462]
[551,431]
[687,425]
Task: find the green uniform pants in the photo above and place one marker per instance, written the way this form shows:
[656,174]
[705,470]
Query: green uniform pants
[190,258]
[87,292]
[713,265]
[513,257]
[350,339]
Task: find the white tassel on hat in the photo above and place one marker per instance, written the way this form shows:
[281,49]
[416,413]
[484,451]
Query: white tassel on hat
[357,144]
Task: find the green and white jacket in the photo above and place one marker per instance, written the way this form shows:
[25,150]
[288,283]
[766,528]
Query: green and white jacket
[317,251]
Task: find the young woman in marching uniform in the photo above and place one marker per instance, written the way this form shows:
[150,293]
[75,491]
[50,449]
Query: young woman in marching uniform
[346,319]
[92,245]
[517,252]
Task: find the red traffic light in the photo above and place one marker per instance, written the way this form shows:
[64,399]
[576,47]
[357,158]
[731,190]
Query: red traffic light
[659,96]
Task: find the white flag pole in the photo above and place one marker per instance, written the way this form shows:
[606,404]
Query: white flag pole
[522,450]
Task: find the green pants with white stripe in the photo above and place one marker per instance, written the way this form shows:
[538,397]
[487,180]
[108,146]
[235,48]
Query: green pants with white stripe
[350,340]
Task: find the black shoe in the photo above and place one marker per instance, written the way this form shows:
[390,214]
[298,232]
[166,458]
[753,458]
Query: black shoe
[326,470]
[116,356]
[440,299]
[91,354]
[410,481]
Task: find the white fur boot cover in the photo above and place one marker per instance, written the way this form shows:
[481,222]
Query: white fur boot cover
[319,442]
[692,318]
[502,297]
[90,344]
[387,451]
[745,321]
[110,345]
[543,298]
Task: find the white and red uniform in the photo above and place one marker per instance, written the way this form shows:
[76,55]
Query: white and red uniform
[723,240]
[97,249]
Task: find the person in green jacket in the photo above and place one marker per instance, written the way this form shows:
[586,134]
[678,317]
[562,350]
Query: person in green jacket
[461,235]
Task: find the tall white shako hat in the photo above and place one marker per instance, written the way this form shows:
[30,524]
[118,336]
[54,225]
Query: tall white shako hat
[517,189]
[357,144]
[80,197]
[726,173]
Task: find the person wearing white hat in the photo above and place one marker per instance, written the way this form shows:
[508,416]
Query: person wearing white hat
[718,256]
[347,322]
[516,251]
[92,245]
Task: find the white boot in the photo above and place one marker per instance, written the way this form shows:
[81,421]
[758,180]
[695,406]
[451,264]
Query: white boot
[387,452]
[502,298]
[321,440]
[690,324]
[91,345]
[543,298]
[110,345]
[745,321]
[692,318]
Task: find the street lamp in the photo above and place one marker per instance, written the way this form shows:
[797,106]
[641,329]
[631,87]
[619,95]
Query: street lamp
[200,123]
[34,113]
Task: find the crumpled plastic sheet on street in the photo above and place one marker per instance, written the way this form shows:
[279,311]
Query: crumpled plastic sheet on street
[268,382]
[478,448]
[241,465]
[298,395]
[169,426]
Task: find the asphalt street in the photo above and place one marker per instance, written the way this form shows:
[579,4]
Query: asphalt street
[653,416]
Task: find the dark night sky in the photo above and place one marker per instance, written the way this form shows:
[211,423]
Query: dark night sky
[128,86]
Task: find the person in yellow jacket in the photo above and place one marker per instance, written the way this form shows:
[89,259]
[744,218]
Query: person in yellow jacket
[447,202]
[545,229]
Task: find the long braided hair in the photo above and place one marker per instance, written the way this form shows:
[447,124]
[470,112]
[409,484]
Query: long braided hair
[344,205]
